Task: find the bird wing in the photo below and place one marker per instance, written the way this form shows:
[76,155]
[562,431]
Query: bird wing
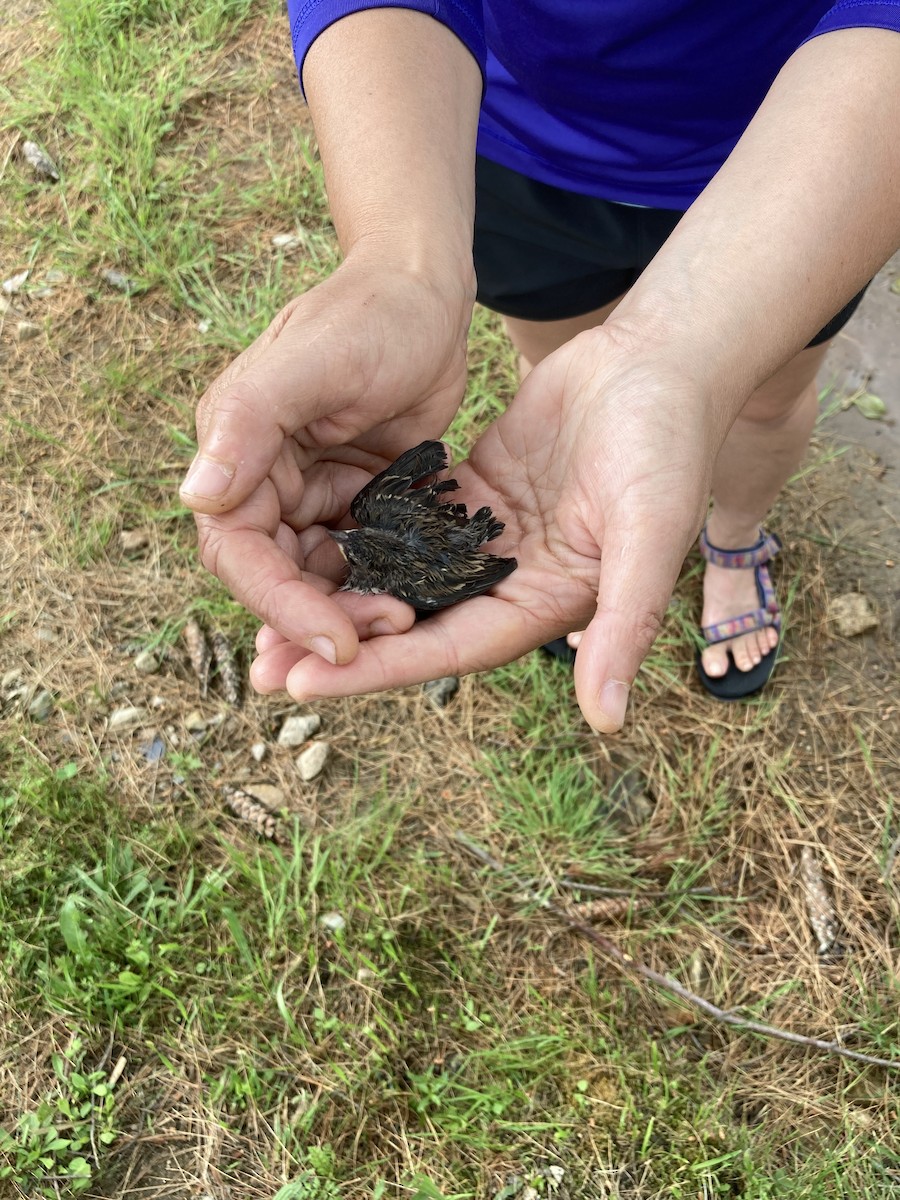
[403,491]
[469,575]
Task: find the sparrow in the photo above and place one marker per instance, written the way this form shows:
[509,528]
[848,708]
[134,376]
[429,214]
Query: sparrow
[413,544]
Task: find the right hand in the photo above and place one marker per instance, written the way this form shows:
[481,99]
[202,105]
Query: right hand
[346,377]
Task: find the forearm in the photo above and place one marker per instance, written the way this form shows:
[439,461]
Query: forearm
[802,214]
[394,97]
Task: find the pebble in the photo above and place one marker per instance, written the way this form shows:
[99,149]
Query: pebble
[146,662]
[195,722]
[26,330]
[853,614]
[132,540]
[14,283]
[267,794]
[40,161]
[205,325]
[287,241]
[41,706]
[441,691]
[313,759]
[333,921]
[118,280]
[125,718]
[258,751]
[299,729]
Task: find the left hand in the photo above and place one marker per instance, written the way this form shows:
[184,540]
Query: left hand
[600,469]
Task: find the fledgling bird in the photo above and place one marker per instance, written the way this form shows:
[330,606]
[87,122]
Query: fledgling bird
[415,546]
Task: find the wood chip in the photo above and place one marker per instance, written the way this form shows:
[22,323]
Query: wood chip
[819,908]
[201,655]
[227,669]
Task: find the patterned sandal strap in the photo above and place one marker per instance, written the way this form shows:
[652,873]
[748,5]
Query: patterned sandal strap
[754,556]
[759,618]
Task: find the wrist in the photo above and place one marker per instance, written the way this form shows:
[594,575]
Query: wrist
[446,273]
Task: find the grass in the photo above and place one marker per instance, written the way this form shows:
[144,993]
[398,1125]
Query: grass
[364,1011]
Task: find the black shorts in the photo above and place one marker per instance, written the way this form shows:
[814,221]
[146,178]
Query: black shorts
[544,254]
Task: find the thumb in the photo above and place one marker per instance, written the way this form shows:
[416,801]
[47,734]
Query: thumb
[639,565]
[271,390]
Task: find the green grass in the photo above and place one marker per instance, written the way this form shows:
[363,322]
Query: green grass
[450,1037]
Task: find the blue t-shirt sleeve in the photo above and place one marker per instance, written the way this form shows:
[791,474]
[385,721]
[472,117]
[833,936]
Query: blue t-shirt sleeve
[854,14]
[309,18]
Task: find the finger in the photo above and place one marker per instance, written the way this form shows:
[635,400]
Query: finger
[267,637]
[242,424]
[639,565]
[267,581]
[483,633]
[269,671]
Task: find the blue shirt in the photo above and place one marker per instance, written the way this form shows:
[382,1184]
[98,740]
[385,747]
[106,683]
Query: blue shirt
[637,101]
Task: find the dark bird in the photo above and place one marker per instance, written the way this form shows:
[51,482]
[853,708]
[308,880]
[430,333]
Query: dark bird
[415,546]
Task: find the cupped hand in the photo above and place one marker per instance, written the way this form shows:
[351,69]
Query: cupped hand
[345,378]
[601,470]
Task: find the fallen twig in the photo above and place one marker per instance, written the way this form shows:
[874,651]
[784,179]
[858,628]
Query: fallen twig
[636,967]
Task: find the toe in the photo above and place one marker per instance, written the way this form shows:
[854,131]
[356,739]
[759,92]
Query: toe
[745,652]
[715,660]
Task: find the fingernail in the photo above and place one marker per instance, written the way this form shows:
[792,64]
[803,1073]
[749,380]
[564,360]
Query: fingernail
[574,640]
[207,478]
[381,627]
[324,647]
[614,701]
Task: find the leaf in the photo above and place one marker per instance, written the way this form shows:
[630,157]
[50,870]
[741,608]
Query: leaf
[873,408]
[70,927]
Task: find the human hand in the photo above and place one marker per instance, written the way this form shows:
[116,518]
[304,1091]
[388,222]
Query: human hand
[345,378]
[601,470]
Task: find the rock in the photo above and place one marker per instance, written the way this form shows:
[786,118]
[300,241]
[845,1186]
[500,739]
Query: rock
[195,722]
[204,326]
[14,283]
[287,241]
[118,280]
[146,662]
[853,614]
[125,718]
[299,729]
[10,680]
[333,921]
[258,751]
[132,540]
[268,794]
[313,759]
[41,706]
[441,691]
[40,161]
[26,330]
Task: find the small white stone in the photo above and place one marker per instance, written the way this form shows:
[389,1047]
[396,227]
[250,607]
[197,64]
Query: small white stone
[333,921]
[287,241]
[267,794]
[258,751]
[26,330]
[312,761]
[14,283]
[41,706]
[146,662]
[204,326]
[195,722]
[853,614]
[125,718]
[299,729]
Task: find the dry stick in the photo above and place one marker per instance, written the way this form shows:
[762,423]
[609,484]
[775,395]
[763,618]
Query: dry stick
[635,966]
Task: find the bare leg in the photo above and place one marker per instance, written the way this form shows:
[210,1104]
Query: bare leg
[765,446]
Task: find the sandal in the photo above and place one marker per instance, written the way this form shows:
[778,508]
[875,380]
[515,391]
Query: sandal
[736,684]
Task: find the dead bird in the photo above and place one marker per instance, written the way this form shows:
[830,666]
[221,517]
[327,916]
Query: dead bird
[412,544]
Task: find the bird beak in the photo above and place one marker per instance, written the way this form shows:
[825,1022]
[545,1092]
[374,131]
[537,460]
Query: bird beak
[340,536]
